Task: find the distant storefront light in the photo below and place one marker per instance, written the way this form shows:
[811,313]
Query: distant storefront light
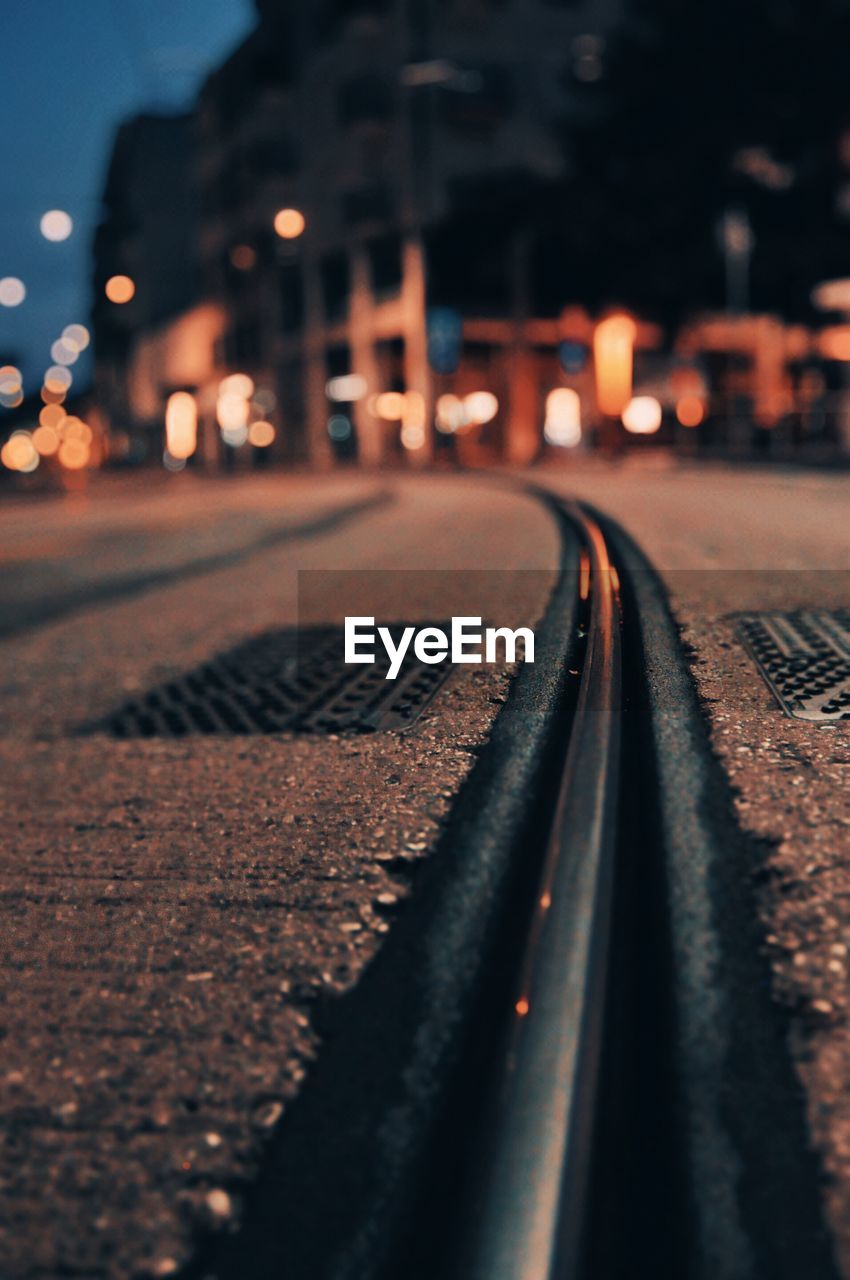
[613,353]
[289,224]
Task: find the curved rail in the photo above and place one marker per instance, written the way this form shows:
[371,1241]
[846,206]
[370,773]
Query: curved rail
[531,1211]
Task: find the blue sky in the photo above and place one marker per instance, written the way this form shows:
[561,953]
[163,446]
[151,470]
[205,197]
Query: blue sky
[71,71]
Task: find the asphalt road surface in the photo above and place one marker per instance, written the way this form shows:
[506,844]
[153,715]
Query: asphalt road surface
[174,906]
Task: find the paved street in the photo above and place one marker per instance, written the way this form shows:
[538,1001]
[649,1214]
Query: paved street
[174,907]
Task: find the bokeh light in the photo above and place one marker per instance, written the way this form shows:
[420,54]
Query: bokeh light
[11,389]
[236,435]
[450,414]
[690,411]
[77,336]
[52,415]
[480,407]
[289,223]
[58,378]
[243,257]
[46,440]
[339,427]
[412,436]
[74,454]
[232,412]
[835,342]
[63,352]
[19,453]
[346,388]
[613,354]
[261,434]
[119,289]
[237,384]
[75,429]
[12,291]
[642,416]
[181,425]
[56,225]
[562,424]
[263,401]
[390,405]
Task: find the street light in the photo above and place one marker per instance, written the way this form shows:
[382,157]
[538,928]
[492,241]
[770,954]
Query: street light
[56,225]
[119,289]
[289,224]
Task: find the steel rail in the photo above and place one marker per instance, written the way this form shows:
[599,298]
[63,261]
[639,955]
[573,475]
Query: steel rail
[534,1180]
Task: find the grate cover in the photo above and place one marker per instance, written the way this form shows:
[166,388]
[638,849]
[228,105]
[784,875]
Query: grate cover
[805,659]
[289,680]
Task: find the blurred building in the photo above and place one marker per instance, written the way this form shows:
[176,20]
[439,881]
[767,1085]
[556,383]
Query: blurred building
[410,143]
[145,272]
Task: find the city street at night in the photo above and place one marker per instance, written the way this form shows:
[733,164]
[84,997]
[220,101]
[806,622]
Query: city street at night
[180,911]
[425,640]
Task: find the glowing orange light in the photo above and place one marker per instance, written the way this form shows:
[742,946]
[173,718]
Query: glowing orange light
[74,454]
[261,434]
[584,576]
[46,440]
[75,429]
[181,425]
[690,411]
[289,223]
[10,379]
[522,1007]
[835,342]
[414,412]
[390,405]
[613,356]
[19,453]
[53,397]
[119,289]
[52,415]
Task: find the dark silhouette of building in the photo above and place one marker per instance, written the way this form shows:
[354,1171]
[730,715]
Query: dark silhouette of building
[148,237]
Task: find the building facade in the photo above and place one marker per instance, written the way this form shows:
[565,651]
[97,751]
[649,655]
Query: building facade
[144,255]
[411,142]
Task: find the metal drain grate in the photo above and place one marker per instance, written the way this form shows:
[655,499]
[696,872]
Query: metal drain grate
[805,659]
[282,681]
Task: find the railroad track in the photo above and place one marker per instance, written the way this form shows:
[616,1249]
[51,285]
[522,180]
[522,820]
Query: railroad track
[534,1062]
[535,1179]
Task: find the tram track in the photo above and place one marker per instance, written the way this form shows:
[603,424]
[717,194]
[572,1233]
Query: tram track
[511,1093]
